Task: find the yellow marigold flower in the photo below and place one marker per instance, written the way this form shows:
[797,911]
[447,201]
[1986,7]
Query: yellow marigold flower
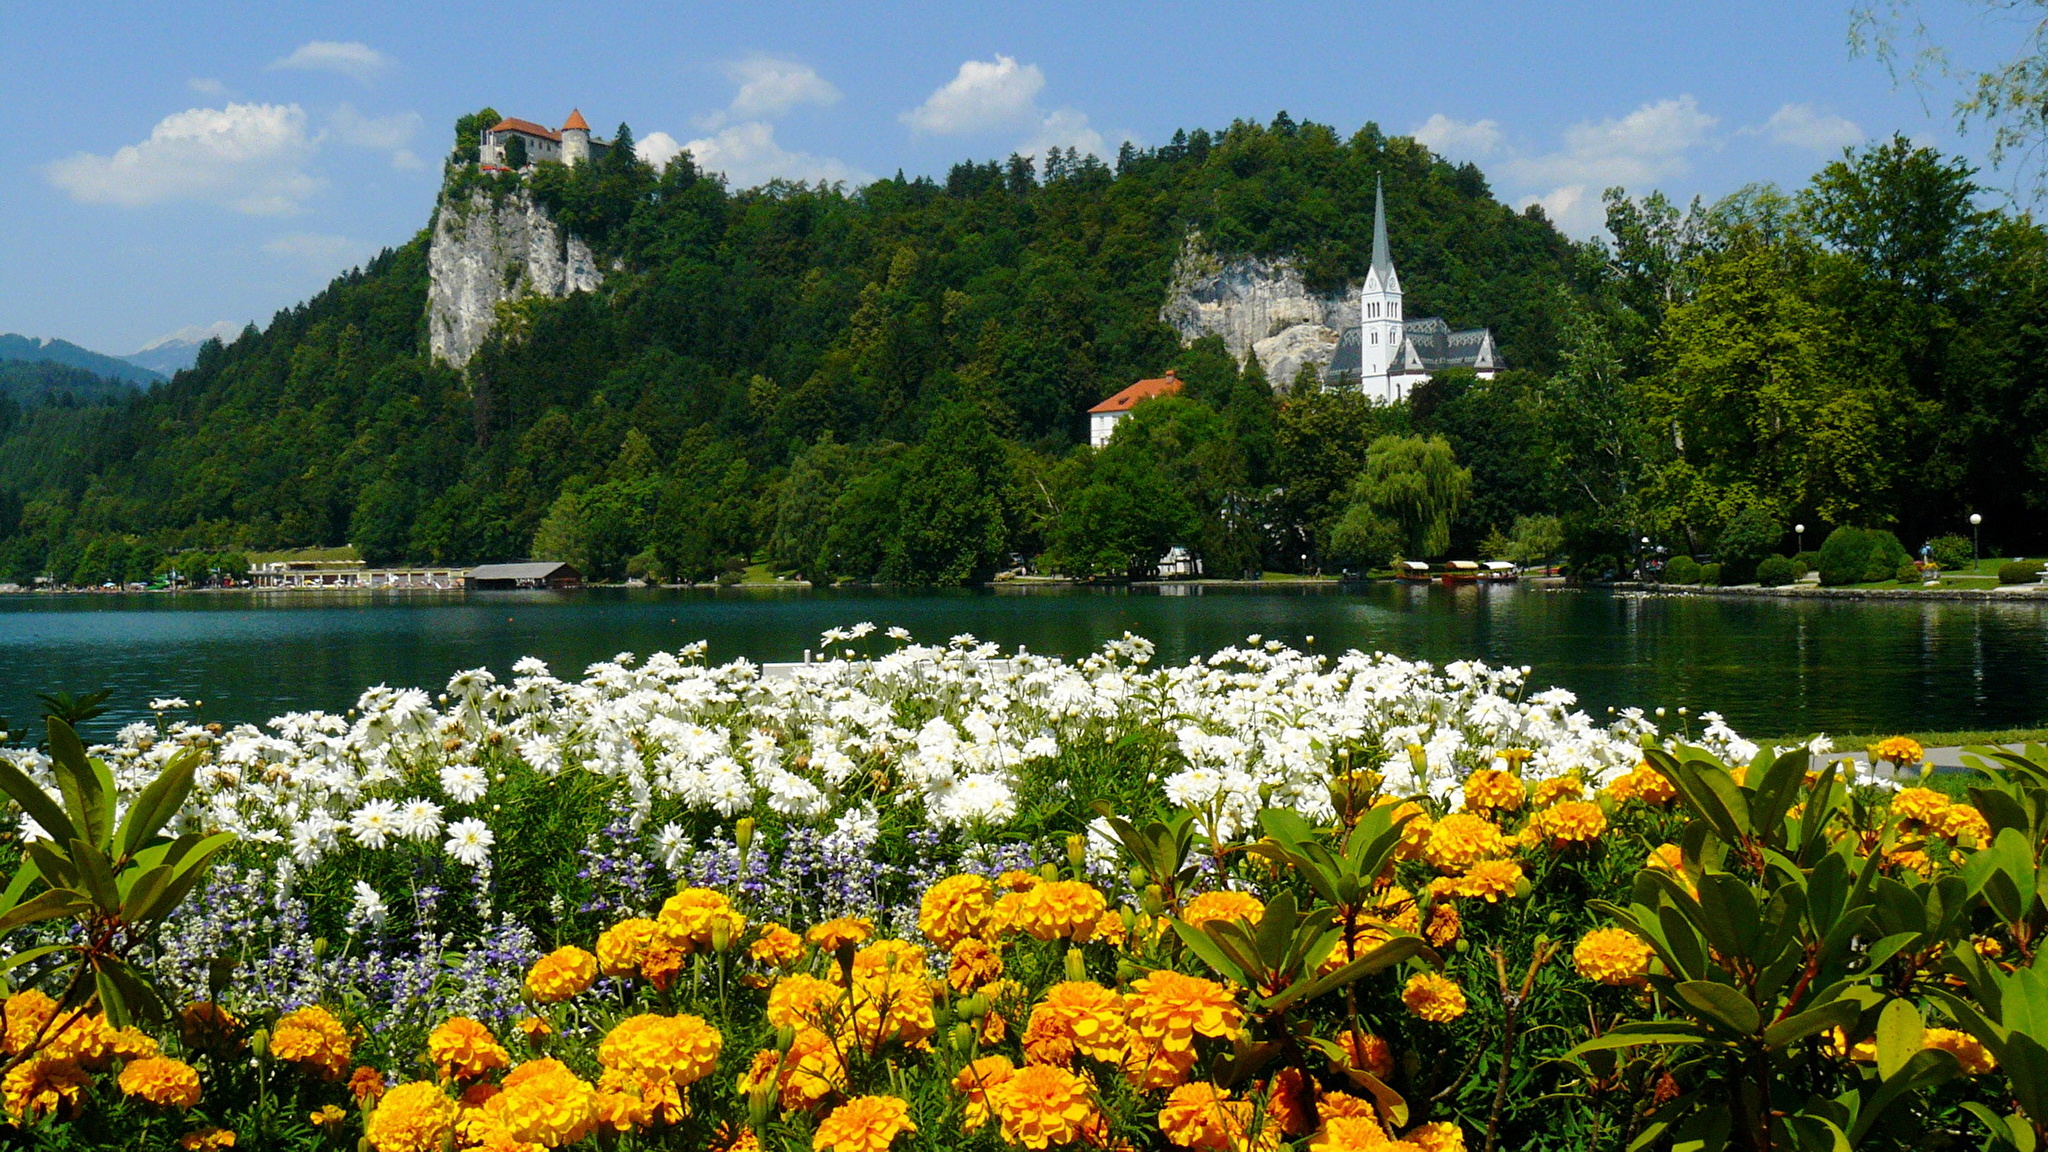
[366,1085]
[1343,1105]
[1967,1049]
[628,1101]
[1899,750]
[1645,784]
[1203,1116]
[801,1000]
[86,1039]
[1613,956]
[1284,1113]
[207,1139]
[1488,789]
[809,1072]
[326,1116]
[973,964]
[975,1082]
[561,974]
[416,1117]
[42,1086]
[697,919]
[1963,824]
[1368,1052]
[1224,905]
[1572,822]
[161,1080]
[1489,880]
[1462,838]
[533,1028]
[1041,1106]
[203,1026]
[542,1103]
[313,1039]
[833,934]
[954,909]
[1548,792]
[1415,833]
[1437,1136]
[1920,805]
[1837,1044]
[1110,929]
[1018,881]
[777,946]
[681,1049]
[27,1012]
[622,947]
[1352,1134]
[1171,1008]
[1061,910]
[1434,998]
[863,1124]
[1077,1016]
[131,1044]
[1670,858]
[1149,1065]
[1445,925]
[463,1049]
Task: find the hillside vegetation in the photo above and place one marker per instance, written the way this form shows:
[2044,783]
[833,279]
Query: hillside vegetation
[888,382]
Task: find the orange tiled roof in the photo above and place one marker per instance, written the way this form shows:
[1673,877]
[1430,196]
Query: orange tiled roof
[528,128]
[1127,399]
[575,120]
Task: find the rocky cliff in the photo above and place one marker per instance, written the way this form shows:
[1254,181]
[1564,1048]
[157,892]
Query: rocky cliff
[489,249]
[1259,307]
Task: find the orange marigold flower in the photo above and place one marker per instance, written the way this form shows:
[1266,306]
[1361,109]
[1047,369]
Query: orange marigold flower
[1171,1008]
[326,1116]
[416,1117]
[976,1081]
[206,1139]
[1148,1064]
[1223,905]
[954,909]
[1967,1049]
[802,1000]
[809,1072]
[1352,1134]
[313,1039]
[1489,789]
[1645,784]
[1489,880]
[622,947]
[863,1124]
[39,1087]
[1461,839]
[974,963]
[1437,1136]
[1613,956]
[1018,881]
[542,1103]
[832,934]
[463,1049]
[533,1028]
[777,946]
[1435,998]
[1963,824]
[1445,925]
[1089,1017]
[1368,1052]
[1203,1116]
[697,919]
[161,1080]
[366,1085]
[1284,1112]
[1920,805]
[1572,822]
[680,1049]
[1899,750]
[561,974]
[1041,1106]
[1548,792]
[27,1011]
[1061,910]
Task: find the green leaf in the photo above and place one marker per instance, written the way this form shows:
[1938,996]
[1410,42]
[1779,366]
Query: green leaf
[87,787]
[157,803]
[1387,955]
[46,905]
[1792,1029]
[36,802]
[1202,945]
[1900,1033]
[98,874]
[143,893]
[1644,1032]
[1778,788]
[1723,1006]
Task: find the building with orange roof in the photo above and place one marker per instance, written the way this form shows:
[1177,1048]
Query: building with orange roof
[571,144]
[1103,417]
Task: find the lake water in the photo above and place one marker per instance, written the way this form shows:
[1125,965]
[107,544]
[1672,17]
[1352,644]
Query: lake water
[1771,666]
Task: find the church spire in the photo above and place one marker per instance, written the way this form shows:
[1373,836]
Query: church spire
[1382,261]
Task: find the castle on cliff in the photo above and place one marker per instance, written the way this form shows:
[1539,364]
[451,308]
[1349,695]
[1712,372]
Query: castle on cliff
[1387,355]
[572,144]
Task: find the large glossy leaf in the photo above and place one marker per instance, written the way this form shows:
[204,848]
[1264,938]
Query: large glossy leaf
[84,783]
[36,802]
[157,803]
[1901,1032]
[1642,1032]
[1793,1029]
[1776,792]
[98,874]
[1721,1006]
[46,905]
[1393,952]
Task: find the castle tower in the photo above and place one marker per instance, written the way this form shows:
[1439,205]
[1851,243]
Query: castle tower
[575,139]
[1379,307]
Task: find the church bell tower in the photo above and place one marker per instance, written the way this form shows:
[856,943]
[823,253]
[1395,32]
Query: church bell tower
[1379,308]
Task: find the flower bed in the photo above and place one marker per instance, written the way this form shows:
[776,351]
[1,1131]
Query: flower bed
[1324,903]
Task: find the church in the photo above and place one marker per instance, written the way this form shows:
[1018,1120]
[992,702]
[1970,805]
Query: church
[1387,355]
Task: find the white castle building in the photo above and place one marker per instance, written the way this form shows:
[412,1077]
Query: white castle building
[1387,355]
[572,145]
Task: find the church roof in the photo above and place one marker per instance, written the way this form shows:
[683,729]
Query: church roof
[1128,399]
[1436,344]
[1382,259]
[575,121]
[526,128]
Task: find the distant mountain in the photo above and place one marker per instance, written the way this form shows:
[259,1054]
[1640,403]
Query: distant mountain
[13,347]
[30,383]
[178,351]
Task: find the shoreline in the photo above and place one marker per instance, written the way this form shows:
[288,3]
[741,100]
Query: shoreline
[2007,592]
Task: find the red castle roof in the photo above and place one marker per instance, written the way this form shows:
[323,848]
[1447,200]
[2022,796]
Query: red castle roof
[526,128]
[1127,399]
[576,120]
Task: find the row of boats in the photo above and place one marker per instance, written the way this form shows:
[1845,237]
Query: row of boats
[1458,572]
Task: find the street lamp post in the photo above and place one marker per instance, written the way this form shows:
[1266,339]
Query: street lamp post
[1975,531]
[1799,530]
[1643,560]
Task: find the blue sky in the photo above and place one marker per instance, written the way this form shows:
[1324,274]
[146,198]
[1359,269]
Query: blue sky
[168,166]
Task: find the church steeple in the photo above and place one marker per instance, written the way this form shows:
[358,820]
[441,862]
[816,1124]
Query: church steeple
[1380,327]
[1382,261]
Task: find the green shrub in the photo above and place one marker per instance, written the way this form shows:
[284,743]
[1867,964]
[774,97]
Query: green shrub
[1775,572]
[1952,552]
[1805,562]
[1710,575]
[1859,556]
[2019,572]
[1907,573]
[1682,570]
[1747,539]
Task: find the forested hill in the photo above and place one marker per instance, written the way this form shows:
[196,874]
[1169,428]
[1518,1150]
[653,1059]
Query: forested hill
[889,382]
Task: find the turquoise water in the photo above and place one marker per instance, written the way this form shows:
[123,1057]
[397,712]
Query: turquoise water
[1770,666]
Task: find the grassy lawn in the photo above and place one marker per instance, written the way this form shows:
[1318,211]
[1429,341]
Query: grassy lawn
[344,552]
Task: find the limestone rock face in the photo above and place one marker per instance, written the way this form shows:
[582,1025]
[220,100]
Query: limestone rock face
[488,250]
[1257,306]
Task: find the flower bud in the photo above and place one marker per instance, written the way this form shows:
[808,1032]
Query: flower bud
[743,834]
[259,1041]
[1077,965]
[1077,854]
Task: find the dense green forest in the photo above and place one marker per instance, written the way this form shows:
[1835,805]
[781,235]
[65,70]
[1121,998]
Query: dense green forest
[889,382]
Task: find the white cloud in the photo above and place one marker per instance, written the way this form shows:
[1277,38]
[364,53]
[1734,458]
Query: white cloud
[249,157]
[351,58]
[657,148]
[984,96]
[406,161]
[207,86]
[748,154]
[384,133]
[770,87]
[1649,144]
[1805,126]
[1065,128]
[1462,138]
[315,248]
